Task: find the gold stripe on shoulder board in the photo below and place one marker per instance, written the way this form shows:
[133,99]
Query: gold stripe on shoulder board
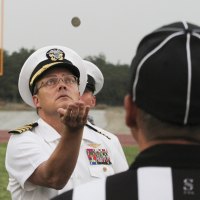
[24,128]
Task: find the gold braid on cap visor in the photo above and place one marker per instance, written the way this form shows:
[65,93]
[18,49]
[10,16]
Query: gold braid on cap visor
[40,71]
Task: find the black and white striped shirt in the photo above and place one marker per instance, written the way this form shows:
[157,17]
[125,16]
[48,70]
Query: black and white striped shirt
[162,172]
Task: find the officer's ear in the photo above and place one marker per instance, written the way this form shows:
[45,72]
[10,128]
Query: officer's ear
[36,101]
[131,111]
[93,101]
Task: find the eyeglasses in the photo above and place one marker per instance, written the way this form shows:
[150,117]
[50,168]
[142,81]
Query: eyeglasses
[53,81]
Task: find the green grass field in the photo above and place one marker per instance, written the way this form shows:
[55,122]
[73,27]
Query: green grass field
[4,194]
[130,153]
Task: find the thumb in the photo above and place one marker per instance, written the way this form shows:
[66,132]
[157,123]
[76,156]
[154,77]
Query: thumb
[61,111]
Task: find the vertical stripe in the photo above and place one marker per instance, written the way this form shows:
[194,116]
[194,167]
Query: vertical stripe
[155,183]
[185,24]
[122,186]
[149,55]
[189,79]
[91,190]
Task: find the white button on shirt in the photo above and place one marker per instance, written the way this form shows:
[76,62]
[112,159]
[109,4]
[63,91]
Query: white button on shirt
[26,151]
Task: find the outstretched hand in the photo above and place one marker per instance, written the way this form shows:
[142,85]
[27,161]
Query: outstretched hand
[75,115]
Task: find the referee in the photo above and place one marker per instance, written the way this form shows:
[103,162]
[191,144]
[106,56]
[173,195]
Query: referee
[163,113]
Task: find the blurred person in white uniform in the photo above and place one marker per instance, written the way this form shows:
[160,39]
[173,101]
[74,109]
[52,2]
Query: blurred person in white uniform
[95,81]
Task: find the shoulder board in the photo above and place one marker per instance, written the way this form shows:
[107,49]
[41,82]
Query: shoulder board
[94,129]
[24,128]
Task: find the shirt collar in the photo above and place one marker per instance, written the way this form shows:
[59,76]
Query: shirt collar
[174,155]
[47,132]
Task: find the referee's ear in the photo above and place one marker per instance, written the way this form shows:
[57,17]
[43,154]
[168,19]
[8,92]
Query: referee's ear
[131,111]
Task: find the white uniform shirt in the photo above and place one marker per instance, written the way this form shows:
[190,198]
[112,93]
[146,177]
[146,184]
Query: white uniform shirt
[26,151]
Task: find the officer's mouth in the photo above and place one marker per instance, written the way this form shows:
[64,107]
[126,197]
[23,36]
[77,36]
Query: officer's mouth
[63,97]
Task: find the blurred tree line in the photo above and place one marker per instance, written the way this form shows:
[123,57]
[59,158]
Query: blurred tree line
[115,78]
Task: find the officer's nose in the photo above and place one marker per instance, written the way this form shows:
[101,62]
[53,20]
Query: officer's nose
[61,84]
[62,87]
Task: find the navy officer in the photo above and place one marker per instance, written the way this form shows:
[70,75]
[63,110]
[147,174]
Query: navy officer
[41,156]
[58,151]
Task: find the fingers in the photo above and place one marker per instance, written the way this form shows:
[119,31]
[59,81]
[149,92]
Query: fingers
[73,113]
[83,113]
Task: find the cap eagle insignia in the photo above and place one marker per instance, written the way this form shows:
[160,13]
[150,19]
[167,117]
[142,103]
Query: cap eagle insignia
[55,55]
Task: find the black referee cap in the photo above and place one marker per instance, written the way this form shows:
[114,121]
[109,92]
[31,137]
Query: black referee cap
[166,74]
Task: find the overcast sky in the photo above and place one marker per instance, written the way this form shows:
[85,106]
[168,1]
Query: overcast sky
[111,27]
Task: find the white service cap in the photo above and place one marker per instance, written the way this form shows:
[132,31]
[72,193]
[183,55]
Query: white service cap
[96,74]
[45,58]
